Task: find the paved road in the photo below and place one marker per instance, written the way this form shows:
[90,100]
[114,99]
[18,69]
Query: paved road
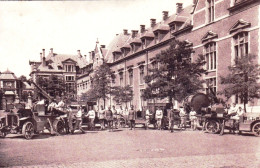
[125,148]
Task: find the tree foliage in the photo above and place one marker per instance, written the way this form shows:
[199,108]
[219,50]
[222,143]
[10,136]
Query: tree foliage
[53,85]
[242,79]
[101,84]
[173,75]
[122,94]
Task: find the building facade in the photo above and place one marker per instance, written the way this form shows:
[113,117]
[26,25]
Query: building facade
[66,67]
[221,30]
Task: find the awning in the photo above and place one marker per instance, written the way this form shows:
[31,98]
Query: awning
[9,93]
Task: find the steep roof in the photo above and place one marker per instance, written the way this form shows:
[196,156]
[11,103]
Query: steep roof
[8,75]
[118,41]
[54,60]
[124,41]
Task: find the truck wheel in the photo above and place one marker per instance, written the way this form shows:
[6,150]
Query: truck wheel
[28,130]
[256,129]
[59,127]
[212,127]
[122,122]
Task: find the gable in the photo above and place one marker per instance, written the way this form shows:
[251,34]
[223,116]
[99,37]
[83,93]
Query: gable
[240,24]
[69,61]
[209,36]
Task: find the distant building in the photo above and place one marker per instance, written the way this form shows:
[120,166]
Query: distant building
[66,67]
[220,30]
[11,89]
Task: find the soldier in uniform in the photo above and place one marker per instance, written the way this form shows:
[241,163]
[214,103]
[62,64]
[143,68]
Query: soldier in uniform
[92,114]
[109,118]
[158,117]
[171,119]
[102,117]
[131,117]
[147,118]
[79,120]
[183,118]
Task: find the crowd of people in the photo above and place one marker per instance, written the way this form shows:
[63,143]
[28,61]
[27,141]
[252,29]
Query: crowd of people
[110,117]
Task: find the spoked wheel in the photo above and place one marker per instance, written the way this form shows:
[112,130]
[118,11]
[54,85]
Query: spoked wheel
[59,126]
[122,122]
[28,130]
[256,129]
[212,127]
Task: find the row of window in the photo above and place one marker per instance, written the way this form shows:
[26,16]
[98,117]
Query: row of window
[240,46]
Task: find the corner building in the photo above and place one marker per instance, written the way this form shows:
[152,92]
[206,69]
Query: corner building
[221,30]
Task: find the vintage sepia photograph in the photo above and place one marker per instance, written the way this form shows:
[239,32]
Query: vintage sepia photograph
[130,83]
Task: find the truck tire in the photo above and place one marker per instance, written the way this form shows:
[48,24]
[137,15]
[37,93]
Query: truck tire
[212,127]
[59,127]
[28,130]
[256,129]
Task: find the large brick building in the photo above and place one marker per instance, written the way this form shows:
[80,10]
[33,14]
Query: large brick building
[219,29]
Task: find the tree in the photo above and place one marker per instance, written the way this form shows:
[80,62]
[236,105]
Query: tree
[101,83]
[53,85]
[242,80]
[173,75]
[122,94]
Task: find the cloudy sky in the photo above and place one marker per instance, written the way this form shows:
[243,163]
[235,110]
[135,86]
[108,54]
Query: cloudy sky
[66,26]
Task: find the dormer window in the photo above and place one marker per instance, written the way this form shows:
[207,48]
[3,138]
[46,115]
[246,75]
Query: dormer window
[143,43]
[60,67]
[156,37]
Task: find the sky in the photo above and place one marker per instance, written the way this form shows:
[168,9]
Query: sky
[27,27]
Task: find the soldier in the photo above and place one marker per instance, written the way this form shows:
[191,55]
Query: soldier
[102,117]
[115,121]
[158,117]
[79,120]
[147,118]
[131,117]
[171,119]
[61,105]
[183,118]
[70,120]
[193,119]
[109,118]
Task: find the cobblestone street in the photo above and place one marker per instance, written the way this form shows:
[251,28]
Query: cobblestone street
[125,148]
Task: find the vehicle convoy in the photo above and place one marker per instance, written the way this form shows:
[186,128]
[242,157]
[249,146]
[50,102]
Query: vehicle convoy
[216,120]
[29,122]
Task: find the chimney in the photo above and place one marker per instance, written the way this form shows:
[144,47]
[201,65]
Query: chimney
[134,33]
[90,60]
[165,15]
[51,51]
[41,56]
[102,46]
[178,7]
[79,54]
[125,32]
[153,22]
[142,28]
[43,52]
